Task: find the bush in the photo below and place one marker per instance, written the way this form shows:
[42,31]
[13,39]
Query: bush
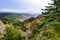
[57,26]
[12,34]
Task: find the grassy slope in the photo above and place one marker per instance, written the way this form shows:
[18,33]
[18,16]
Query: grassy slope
[50,29]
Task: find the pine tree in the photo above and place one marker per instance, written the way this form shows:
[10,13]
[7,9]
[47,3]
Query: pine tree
[58,4]
[53,6]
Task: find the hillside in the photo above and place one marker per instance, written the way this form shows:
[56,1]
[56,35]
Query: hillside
[43,27]
[48,27]
[11,17]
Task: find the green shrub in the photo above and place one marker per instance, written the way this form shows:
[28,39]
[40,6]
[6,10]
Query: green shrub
[57,25]
[12,34]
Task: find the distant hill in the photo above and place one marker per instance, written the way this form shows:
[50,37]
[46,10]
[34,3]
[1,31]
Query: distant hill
[16,16]
[4,14]
[11,16]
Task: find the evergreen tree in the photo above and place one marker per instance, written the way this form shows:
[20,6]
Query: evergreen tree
[53,6]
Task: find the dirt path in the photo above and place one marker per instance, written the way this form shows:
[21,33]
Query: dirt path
[30,30]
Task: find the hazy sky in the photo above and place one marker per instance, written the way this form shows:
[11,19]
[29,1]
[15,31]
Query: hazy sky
[27,6]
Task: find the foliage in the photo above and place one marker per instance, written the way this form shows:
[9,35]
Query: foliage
[57,25]
[12,33]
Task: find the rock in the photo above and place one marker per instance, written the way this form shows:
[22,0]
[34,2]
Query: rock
[2,29]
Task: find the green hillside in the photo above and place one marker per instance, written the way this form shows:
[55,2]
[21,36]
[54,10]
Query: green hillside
[48,28]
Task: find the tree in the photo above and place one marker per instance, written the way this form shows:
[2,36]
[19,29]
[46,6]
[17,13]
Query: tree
[53,6]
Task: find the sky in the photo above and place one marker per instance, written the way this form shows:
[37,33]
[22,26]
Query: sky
[23,6]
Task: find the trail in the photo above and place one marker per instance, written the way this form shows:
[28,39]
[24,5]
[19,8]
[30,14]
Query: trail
[30,30]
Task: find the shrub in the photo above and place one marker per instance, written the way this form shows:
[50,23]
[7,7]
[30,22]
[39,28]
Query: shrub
[12,34]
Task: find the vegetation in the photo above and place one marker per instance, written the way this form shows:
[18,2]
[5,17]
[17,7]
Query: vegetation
[44,27]
[12,33]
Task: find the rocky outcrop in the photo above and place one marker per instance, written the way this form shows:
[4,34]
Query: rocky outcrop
[2,30]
